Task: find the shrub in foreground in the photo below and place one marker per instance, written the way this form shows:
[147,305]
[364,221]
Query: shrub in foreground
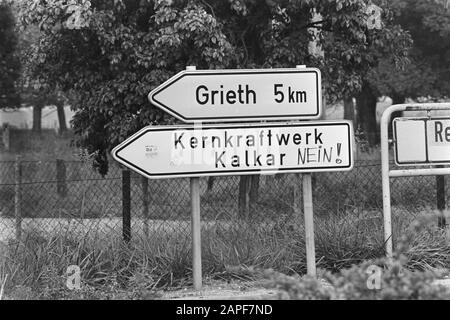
[372,280]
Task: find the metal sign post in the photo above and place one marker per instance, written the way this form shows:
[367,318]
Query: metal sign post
[196,233]
[308,214]
[309,225]
[427,146]
[196,226]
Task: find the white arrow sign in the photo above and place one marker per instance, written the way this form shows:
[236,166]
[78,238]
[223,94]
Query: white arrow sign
[241,95]
[191,151]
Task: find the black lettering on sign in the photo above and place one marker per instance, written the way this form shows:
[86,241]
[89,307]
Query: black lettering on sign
[314,155]
[178,141]
[441,133]
[231,97]
[293,96]
[317,137]
[194,142]
[219,159]
[245,95]
[202,96]
[438,131]
[248,159]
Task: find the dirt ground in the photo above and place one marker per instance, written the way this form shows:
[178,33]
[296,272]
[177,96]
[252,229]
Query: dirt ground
[223,290]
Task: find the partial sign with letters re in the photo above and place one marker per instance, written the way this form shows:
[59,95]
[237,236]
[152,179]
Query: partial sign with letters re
[422,141]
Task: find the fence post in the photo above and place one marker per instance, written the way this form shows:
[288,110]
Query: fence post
[297,193]
[18,197]
[6,136]
[253,193]
[144,183]
[440,199]
[61,186]
[244,196]
[126,205]
[210,184]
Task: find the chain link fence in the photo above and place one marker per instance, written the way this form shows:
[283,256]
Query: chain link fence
[69,196]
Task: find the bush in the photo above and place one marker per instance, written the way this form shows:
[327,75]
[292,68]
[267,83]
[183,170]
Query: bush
[409,275]
[371,280]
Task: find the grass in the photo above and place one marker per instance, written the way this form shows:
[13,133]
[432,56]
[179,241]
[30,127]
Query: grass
[35,267]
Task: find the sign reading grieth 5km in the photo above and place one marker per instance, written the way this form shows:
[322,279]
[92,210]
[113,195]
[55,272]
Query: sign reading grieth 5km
[238,95]
[188,151]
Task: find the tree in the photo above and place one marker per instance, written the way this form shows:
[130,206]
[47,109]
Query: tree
[428,22]
[9,61]
[34,91]
[428,72]
[111,54]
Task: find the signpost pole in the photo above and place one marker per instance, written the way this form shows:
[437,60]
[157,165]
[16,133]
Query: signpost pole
[196,226]
[126,205]
[440,199]
[309,225]
[309,220]
[387,219]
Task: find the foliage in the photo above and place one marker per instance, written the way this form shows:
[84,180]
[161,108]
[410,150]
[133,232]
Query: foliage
[396,283]
[108,55]
[405,276]
[35,92]
[428,74]
[9,61]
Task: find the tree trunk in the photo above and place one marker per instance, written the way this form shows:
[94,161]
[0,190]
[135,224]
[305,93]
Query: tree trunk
[210,184]
[349,109]
[144,184]
[367,102]
[61,117]
[244,197]
[254,190]
[396,99]
[37,118]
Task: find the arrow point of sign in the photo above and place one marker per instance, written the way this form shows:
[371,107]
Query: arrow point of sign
[166,95]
